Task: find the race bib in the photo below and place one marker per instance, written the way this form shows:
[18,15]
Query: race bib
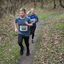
[34,20]
[23,28]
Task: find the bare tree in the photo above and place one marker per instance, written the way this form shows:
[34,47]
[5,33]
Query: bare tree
[42,2]
[60,1]
[35,2]
[54,4]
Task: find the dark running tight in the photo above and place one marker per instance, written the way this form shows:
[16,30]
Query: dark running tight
[26,40]
[32,31]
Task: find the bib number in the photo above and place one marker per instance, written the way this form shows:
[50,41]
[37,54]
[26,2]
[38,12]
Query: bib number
[23,28]
[33,20]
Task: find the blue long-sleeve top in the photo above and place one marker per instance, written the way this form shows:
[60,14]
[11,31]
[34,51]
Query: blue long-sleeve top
[33,16]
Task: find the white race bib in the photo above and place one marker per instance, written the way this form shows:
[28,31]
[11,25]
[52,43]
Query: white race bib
[34,20]
[23,28]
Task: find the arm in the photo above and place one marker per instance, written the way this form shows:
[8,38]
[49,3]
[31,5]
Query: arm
[15,26]
[28,24]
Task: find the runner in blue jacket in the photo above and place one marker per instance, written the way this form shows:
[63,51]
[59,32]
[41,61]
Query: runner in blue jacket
[34,20]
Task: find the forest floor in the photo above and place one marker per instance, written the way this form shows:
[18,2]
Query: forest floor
[48,47]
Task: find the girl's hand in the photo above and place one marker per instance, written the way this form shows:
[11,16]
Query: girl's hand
[16,30]
[28,24]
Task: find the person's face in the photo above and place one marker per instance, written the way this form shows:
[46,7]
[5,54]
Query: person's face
[32,11]
[21,14]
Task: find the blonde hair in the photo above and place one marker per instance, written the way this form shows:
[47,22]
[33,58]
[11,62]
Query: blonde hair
[28,12]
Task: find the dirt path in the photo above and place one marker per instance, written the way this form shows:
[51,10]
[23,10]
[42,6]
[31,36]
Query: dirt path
[28,59]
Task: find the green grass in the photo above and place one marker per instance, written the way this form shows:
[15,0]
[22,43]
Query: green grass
[61,26]
[49,49]
[44,15]
[9,49]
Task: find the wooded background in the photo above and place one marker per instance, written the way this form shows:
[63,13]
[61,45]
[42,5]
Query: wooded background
[11,6]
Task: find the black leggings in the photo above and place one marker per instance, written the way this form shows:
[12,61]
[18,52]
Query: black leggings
[20,40]
[32,31]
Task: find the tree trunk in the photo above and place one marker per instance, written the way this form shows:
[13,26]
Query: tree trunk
[60,1]
[41,1]
[35,3]
[54,4]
